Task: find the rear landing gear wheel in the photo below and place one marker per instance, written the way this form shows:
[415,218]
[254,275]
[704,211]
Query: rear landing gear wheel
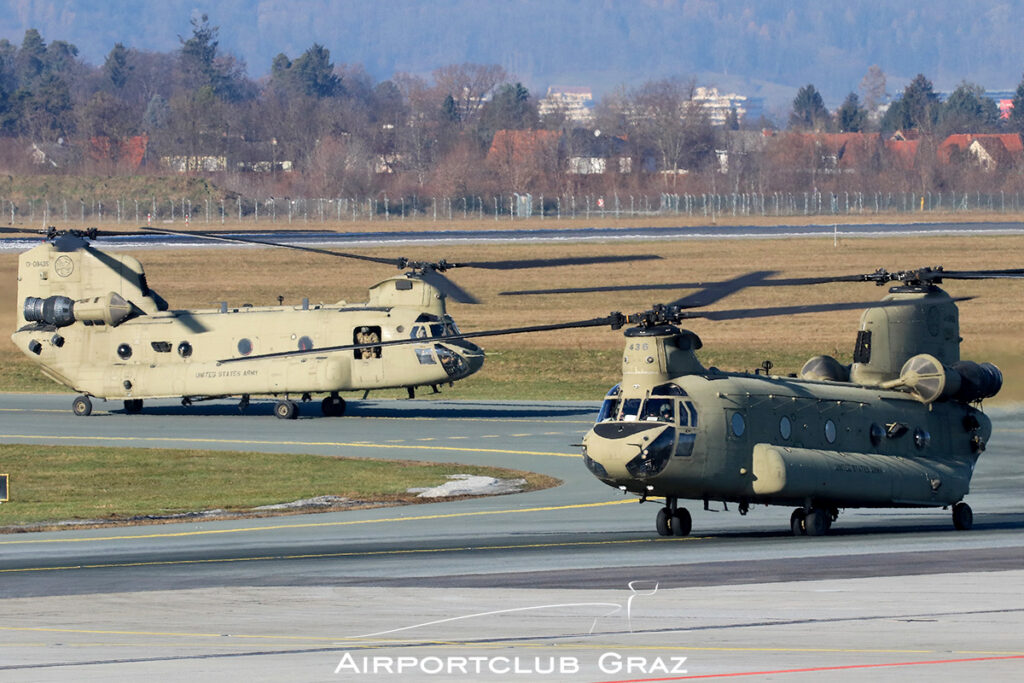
[286,410]
[333,406]
[796,522]
[82,406]
[681,522]
[664,523]
[963,517]
[817,522]
[133,405]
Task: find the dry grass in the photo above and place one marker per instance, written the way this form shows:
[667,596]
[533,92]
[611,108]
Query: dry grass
[990,323]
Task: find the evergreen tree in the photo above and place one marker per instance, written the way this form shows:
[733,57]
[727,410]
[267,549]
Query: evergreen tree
[809,112]
[968,110]
[1016,121]
[851,117]
[917,108]
[116,67]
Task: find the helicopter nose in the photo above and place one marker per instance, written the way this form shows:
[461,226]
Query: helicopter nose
[627,450]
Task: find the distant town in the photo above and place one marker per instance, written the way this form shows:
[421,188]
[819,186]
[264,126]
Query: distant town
[313,128]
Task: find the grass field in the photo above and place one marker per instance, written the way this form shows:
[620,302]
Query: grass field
[110,484]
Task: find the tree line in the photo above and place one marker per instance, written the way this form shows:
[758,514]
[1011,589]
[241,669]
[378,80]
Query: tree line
[314,128]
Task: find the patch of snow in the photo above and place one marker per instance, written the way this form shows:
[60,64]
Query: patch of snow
[471,485]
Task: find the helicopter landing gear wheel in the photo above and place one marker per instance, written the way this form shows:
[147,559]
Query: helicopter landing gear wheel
[286,410]
[681,522]
[963,517]
[333,406]
[817,522]
[664,522]
[133,405]
[82,406]
[796,522]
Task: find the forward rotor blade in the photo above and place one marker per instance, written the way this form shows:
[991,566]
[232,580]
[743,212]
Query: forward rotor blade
[398,263]
[553,262]
[450,289]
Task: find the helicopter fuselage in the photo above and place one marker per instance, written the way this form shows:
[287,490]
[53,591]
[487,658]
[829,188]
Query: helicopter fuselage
[90,322]
[786,441]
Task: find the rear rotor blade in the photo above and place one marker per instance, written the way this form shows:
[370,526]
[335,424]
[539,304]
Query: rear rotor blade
[398,263]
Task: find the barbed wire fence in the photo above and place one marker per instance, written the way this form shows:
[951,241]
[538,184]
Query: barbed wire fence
[511,206]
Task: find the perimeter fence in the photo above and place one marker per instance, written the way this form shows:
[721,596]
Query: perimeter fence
[512,206]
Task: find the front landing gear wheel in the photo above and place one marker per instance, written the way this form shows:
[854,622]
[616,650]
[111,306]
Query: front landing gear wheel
[664,522]
[286,410]
[82,406]
[796,522]
[963,517]
[133,405]
[681,522]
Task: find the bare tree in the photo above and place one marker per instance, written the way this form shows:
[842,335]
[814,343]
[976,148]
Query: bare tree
[469,84]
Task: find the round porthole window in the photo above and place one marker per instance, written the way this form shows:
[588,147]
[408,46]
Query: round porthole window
[124,352]
[785,427]
[877,433]
[830,431]
[244,347]
[184,349]
[921,438]
[305,343]
[739,425]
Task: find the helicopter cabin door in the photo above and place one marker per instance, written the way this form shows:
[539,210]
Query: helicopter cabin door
[367,364]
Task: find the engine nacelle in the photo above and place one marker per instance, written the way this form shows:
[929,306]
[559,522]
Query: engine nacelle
[61,311]
[929,380]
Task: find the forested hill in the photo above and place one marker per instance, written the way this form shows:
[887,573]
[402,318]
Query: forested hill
[750,46]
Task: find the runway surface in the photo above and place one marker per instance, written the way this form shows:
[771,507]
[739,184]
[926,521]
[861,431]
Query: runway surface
[564,584]
[373,238]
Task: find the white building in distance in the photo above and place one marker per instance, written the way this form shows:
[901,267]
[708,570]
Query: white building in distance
[575,103]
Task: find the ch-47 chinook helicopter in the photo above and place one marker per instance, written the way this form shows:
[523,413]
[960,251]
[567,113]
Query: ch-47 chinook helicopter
[900,427]
[89,320]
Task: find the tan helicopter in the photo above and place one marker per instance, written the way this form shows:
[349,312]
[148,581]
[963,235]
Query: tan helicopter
[88,318]
[900,427]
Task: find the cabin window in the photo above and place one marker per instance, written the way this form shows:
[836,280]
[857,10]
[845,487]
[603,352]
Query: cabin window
[876,433]
[305,343]
[245,346]
[184,349]
[738,424]
[425,357]
[124,351]
[161,346]
[785,427]
[830,431]
[921,438]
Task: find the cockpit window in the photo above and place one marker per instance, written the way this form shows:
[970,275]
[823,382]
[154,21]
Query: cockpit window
[668,389]
[659,410]
[631,409]
[610,407]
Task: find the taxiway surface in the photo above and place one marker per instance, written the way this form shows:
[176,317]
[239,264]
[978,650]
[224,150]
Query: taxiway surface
[546,581]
